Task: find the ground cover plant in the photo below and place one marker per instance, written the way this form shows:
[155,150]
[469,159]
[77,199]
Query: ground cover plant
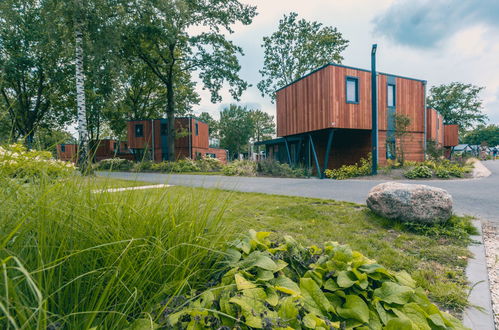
[350,171]
[270,167]
[280,284]
[73,256]
[442,168]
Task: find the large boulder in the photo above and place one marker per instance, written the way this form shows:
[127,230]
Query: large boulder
[410,202]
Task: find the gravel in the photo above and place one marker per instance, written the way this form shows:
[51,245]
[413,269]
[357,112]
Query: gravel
[491,240]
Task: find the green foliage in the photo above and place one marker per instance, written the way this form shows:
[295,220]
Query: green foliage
[350,171]
[295,49]
[420,171]
[458,103]
[235,128]
[143,166]
[282,285]
[208,164]
[73,257]
[263,125]
[456,227]
[433,150]
[180,166]
[212,123]
[483,134]
[274,168]
[240,168]
[18,163]
[402,123]
[115,164]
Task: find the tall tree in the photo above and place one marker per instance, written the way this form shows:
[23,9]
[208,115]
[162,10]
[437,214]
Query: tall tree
[235,129]
[263,125]
[296,48]
[32,74]
[483,134]
[458,103]
[212,123]
[164,35]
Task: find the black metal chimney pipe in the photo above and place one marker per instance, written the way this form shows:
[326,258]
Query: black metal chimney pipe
[374,98]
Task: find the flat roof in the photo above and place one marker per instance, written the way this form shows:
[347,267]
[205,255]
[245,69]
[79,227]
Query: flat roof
[346,67]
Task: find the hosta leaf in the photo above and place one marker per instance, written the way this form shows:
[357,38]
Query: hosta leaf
[346,279]
[272,297]
[286,285]
[288,311]
[417,315]
[437,320]
[331,285]
[242,283]
[381,312]
[372,268]
[264,275]
[398,324]
[404,278]
[394,293]
[313,297]
[233,256]
[343,253]
[354,308]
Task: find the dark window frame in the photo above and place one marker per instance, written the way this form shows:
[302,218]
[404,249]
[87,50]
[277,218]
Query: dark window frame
[63,148]
[394,95]
[357,89]
[139,130]
[163,129]
[197,128]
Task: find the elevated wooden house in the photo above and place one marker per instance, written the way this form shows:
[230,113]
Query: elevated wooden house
[148,139]
[102,149]
[324,119]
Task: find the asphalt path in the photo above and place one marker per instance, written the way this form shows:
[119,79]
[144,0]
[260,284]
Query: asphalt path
[476,197]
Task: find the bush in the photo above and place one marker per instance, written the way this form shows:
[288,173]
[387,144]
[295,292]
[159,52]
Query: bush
[26,165]
[285,286]
[442,172]
[115,164]
[180,166]
[208,164]
[350,171]
[240,168]
[274,168]
[420,171]
[143,166]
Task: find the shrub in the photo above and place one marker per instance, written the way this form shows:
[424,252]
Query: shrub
[442,172]
[115,164]
[19,163]
[143,166]
[285,286]
[274,168]
[180,166]
[420,171]
[350,171]
[240,168]
[208,164]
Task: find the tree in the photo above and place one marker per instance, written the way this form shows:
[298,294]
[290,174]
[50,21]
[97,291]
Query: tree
[458,103]
[235,129]
[295,49]
[32,75]
[163,35]
[483,134]
[402,122]
[263,125]
[212,123]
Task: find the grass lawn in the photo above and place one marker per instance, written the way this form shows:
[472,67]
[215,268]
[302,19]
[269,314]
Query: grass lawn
[436,261]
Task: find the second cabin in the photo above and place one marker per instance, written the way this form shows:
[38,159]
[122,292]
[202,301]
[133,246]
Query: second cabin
[324,119]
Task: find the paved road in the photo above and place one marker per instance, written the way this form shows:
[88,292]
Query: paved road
[477,197]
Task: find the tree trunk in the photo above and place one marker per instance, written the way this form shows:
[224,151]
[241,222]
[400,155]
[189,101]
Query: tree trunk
[80,101]
[170,114]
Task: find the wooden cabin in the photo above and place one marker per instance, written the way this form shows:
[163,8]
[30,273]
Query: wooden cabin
[435,127]
[148,140]
[324,118]
[67,152]
[102,149]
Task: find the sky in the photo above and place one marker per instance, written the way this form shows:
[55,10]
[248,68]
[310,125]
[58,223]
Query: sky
[440,41]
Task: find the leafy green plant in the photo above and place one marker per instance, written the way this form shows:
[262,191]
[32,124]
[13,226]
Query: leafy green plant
[208,164]
[274,168]
[115,164]
[350,171]
[240,168]
[420,171]
[18,163]
[143,166]
[282,285]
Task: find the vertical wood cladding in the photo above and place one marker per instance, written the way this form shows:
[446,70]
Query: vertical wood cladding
[69,154]
[451,135]
[434,126]
[318,101]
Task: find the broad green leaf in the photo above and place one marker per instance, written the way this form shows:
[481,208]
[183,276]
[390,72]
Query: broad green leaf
[346,279]
[272,297]
[264,275]
[331,285]
[286,285]
[404,278]
[394,293]
[398,324]
[233,256]
[343,253]
[437,320]
[288,311]
[417,315]
[242,283]
[381,312]
[354,308]
[313,297]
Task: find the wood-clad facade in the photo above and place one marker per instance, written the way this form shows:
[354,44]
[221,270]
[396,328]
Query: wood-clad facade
[434,127]
[101,149]
[146,137]
[451,135]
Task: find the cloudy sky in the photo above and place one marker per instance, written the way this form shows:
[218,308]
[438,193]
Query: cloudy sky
[438,40]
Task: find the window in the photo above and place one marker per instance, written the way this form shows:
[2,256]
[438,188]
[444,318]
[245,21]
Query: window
[197,129]
[352,90]
[391,95]
[139,130]
[164,129]
[63,148]
[210,155]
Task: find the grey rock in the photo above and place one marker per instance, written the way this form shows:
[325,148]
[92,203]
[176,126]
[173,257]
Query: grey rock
[410,202]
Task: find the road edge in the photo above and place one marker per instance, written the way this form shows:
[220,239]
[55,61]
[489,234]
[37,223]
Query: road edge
[479,315]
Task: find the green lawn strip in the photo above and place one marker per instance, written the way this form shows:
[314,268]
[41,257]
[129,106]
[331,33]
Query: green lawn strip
[437,263]
[101,182]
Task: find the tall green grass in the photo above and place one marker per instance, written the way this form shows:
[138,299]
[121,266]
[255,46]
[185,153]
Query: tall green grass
[75,259]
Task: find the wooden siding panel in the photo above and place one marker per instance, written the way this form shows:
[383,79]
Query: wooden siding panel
[451,135]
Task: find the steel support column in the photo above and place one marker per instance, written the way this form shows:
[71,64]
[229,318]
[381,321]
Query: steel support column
[311,141]
[328,150]
[287,151]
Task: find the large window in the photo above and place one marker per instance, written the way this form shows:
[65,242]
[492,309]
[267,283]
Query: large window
[164,129]
[391,95]
[139,130]
[352,90]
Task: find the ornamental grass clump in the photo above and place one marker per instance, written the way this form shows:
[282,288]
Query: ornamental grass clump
[282,285]
[16,162]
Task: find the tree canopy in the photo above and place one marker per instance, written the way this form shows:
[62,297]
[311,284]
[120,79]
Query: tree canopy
[295,49]
[235,128]
[483,134]
[458,103]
